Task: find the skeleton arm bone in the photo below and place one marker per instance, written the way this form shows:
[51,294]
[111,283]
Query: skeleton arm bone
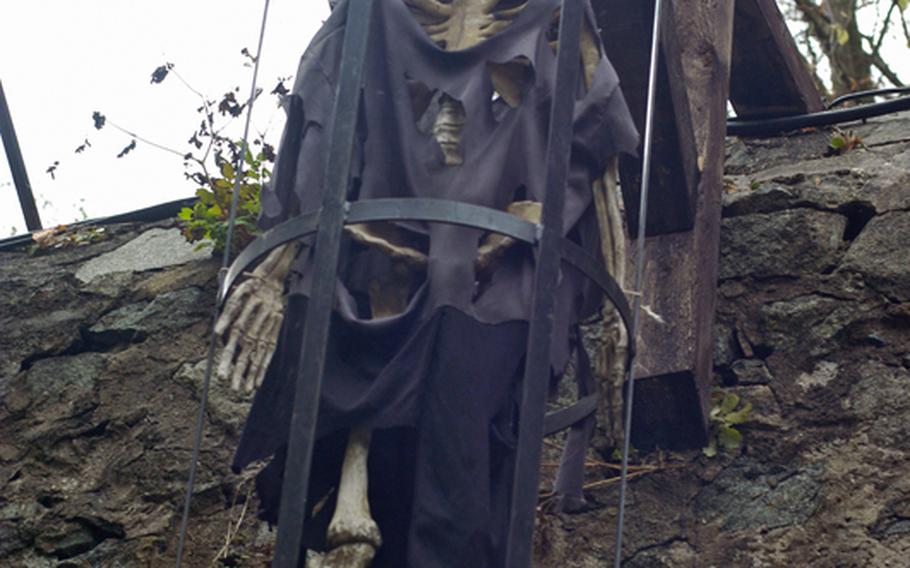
[251,320]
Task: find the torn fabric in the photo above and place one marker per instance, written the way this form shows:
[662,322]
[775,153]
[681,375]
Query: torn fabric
[402,373]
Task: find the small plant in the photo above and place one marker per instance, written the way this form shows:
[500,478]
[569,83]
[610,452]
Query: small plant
[206,222]
[842,142]
[727,412]
[210,163]
[616,454]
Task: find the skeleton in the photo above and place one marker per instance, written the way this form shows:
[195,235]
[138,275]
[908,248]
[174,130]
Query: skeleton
[251,320]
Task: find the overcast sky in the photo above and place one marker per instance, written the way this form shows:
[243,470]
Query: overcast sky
[61,60]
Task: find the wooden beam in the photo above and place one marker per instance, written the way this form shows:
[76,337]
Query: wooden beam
[769,77]
[626,32]
[674,370]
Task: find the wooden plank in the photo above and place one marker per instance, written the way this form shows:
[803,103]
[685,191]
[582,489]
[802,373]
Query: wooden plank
[769,77]
[626,32]
[674,369]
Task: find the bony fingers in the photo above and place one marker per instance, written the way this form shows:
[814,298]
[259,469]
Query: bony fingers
[256,372]
[252,365]
[238,379]
[234,306]
[248,362]
[259,322]
[249,314]
[226,361]
[260,376]
[266,342]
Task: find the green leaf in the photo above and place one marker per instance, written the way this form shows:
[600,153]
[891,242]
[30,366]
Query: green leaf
[711,449]
[204,195]
[227,170]
[902,4]
[740,416]
[186,214]
[843,36]
[729,438]
[729,403]
[838,142]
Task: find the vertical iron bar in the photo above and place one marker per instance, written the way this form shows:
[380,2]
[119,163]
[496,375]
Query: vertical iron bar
[319,308]
[546,278]
[639,277]
[17,166]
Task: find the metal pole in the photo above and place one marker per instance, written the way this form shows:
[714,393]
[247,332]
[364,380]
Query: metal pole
[639,275]
[17,166]
[546,278]
[311,365]
[225,262]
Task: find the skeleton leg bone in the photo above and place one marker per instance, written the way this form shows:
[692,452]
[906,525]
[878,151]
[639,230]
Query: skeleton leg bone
[609,363]
[353,534]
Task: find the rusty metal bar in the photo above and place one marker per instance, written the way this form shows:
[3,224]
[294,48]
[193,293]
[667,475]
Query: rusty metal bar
[295,485]
[546,279]
[17,166]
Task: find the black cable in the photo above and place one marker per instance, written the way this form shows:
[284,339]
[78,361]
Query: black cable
[871,93]
[159,212]
[767,127]
[210,357]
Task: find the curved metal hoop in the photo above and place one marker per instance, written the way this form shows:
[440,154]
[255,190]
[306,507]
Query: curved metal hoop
[429,210]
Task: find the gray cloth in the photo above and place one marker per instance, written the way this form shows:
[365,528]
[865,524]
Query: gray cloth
[456,352]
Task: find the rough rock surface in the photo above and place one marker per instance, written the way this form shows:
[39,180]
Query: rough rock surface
[100,377]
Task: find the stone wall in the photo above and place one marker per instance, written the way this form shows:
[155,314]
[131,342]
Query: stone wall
[103,334]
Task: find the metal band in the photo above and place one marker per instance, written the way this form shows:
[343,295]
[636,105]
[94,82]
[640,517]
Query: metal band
[430,210]
[546,277]
[594,269]
[290,230]
[570,415]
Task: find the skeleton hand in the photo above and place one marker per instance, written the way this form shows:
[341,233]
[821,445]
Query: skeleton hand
[251,319]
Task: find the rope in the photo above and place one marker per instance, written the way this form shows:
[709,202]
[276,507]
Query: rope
[639,277]
[225,263]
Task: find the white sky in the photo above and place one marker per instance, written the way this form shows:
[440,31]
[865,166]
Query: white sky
[61,60]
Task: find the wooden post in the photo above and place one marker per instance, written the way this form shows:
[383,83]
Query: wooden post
[769,77]
[626,27]
[674,367]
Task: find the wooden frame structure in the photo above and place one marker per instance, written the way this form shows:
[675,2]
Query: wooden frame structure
[714,51]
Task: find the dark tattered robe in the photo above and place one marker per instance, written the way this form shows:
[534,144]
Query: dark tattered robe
[440,381]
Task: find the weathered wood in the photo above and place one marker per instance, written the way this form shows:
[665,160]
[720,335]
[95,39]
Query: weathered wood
[769,77]
[674,367]
[626,27]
